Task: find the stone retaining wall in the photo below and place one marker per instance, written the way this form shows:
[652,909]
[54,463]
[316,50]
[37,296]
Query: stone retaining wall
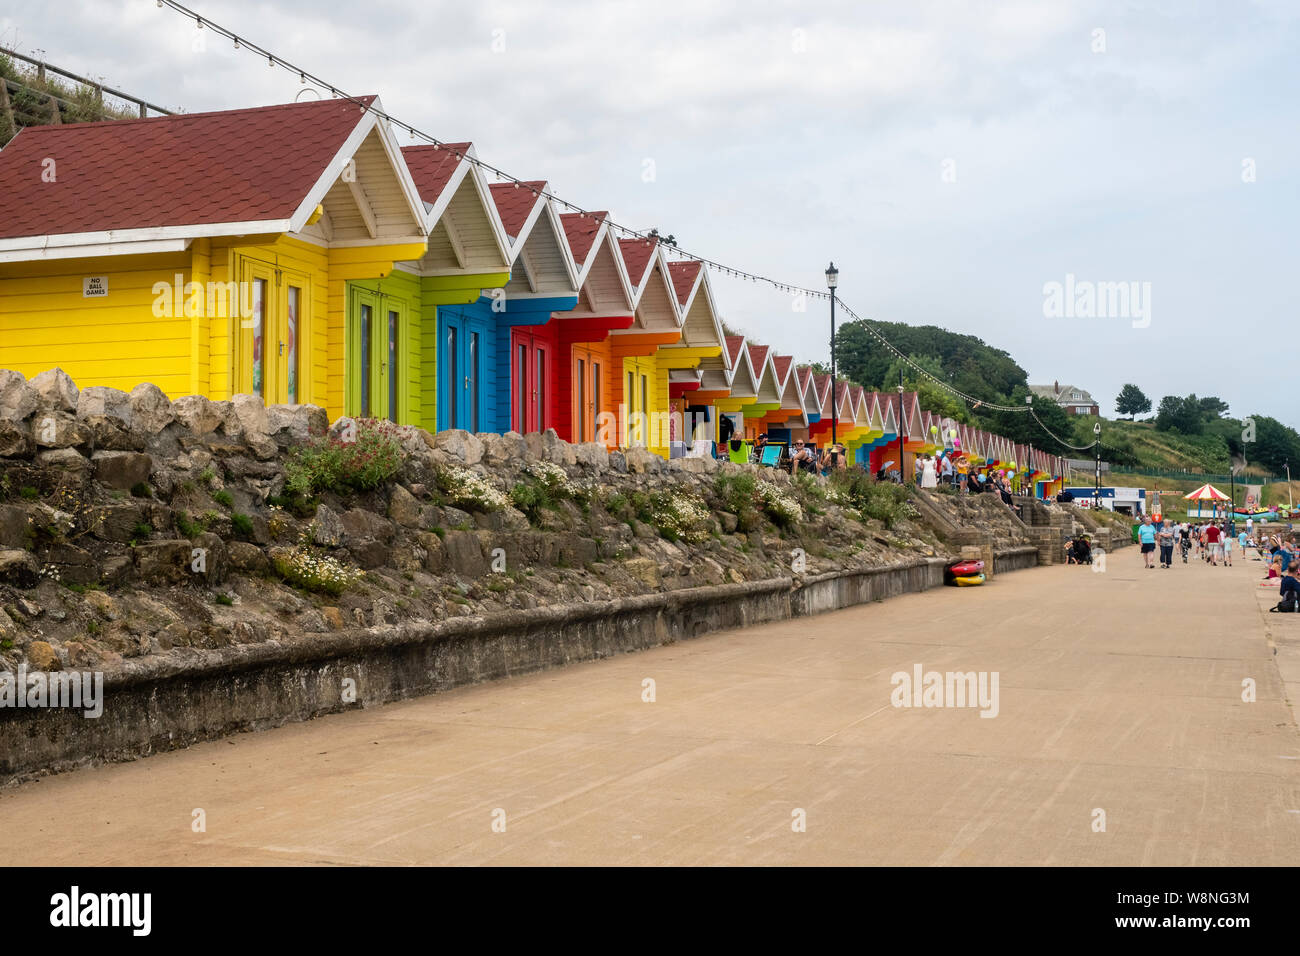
[154,705]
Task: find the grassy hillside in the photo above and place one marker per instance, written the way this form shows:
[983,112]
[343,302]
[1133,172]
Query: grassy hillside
[1160,451]
[31,100]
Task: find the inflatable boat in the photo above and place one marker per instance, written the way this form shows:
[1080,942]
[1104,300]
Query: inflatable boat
[964,574]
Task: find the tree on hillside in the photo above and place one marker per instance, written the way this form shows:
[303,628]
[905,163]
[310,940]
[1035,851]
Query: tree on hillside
[1132,401]
[1182,415]
[1275,444]
[966,362]
[933,397]
[1212,408]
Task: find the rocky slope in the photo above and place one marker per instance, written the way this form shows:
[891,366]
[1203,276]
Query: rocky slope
[131,525]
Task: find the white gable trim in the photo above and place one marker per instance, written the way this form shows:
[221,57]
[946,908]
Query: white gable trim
[368,121]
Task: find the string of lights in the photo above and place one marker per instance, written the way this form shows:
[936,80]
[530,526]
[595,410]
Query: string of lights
[958,393]
[1062,441]
[305,77]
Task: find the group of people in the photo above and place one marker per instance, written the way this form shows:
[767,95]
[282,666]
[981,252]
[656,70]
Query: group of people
[1212,541]
[805,458]
[1283,558]
[948,468]
[954,469]
[802,456]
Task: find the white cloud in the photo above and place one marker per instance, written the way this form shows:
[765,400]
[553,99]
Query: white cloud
[1117,165]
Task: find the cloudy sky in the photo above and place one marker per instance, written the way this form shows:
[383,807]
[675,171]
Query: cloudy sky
[952,158]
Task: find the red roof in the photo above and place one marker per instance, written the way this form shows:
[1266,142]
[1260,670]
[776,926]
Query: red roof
[433,166]
[820,383]
[514,203]
[581,231]
[757,356]
[683,275]
[636,256]
[782,363]
[803,371]
[247,165]
[734,344]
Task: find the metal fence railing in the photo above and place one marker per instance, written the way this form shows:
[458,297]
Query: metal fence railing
[49,107]
[1196,476]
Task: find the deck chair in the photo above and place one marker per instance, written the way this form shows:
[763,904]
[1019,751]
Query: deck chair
[700,448]
[739,456]
[772,453]
[810,466]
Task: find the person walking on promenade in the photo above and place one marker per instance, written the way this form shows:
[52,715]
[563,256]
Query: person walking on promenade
[1214,541]
[1227,549]
[1165,537]
[1147,538]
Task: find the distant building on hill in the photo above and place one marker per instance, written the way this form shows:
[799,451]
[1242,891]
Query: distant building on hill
[1075,400]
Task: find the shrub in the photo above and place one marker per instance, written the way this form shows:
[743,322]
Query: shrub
[675,514]
[808,485]
[329,464]
[188,528]
[882,501]
[242,525]
[545,486]
[28,493]
[223,498]
[277,523]
[618,505]
[141,490]
[465,489]
[312,572]
[750,499]
[784,511]
[207,475]
[551,477]
[303,506]
[737,495]
[531,498]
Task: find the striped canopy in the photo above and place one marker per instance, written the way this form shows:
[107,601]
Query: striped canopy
[1207,492]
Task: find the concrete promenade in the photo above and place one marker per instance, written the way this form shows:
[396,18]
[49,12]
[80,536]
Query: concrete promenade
[1119,692]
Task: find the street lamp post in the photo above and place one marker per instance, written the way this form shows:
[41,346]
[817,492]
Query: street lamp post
[1232,492]
[1096,487]
[902,471]
[833,280]
[1290,502]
